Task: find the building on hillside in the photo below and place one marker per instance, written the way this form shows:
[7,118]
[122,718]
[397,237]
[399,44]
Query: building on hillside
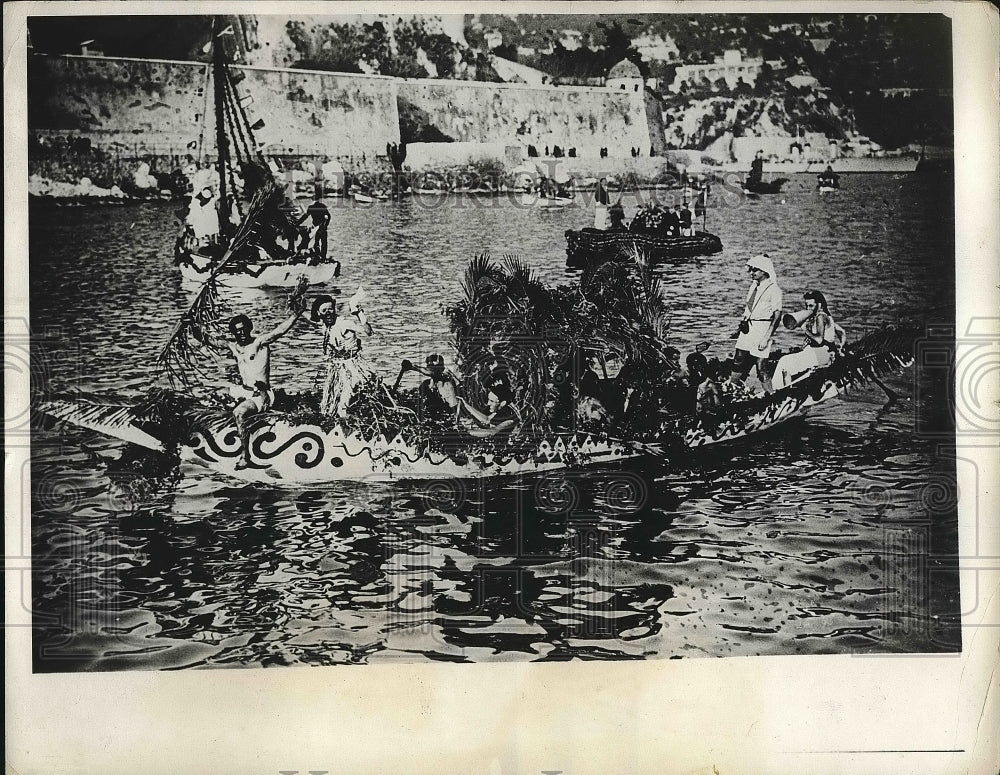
[514,72]
[493,39]
[624,76]
[656,48]
[571,40]
[820,44]
[730,67]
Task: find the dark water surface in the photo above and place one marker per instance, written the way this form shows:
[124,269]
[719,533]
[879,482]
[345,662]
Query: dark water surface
[831,535]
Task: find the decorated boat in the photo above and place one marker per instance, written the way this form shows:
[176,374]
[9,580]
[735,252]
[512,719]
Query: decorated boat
[546,202]
[586,245]
[863,362]
[259,275]
[286,450]
[384,435]
[513,335]
[277,254]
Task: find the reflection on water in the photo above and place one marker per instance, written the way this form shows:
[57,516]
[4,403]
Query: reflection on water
[829,536]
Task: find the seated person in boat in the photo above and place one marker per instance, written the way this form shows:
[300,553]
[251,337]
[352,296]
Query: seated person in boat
[761,316]
[253,362]
[825,340]
[315,239]
[589,404]
[279,232]
[650,218]
[673,222]
[500,418]
[616,214]
[439,392]
[829,178]
[707,395]
[345,368]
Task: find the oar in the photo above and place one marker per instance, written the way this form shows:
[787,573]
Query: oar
[890,394]
[404,367]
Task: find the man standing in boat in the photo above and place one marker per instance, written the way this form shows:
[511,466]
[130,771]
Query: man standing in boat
[686,220]
[601,202]
[761,315]
[316,238]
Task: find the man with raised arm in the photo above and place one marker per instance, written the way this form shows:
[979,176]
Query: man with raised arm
[253,362]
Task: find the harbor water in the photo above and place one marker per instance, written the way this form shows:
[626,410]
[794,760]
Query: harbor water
[833,534]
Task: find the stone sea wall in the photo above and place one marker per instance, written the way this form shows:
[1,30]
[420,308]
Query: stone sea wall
[144,108]
[583,118]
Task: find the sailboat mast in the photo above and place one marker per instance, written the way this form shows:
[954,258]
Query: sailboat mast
[222,144]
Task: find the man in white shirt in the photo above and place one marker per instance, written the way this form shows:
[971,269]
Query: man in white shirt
[761,315]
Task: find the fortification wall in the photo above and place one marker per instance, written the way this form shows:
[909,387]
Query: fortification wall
[582,118]
[325,114]
[152,107]
[120,104]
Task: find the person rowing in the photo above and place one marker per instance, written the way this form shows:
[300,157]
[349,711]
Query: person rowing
[501,417]
[439,392]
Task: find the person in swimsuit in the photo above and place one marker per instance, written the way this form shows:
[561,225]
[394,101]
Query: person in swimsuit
[254,394]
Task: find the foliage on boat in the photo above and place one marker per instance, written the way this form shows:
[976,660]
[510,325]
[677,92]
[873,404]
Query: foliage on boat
[542,338]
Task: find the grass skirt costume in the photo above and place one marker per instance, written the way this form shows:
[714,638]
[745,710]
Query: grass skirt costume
[346,370]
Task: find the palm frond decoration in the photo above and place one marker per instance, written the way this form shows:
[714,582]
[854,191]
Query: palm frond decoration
[542,335]
[196,331]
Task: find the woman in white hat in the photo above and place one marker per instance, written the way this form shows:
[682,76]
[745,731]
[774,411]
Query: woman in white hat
[761,315]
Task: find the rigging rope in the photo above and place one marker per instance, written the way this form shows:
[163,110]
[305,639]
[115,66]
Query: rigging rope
[232,101]
[248,125]
[230,121]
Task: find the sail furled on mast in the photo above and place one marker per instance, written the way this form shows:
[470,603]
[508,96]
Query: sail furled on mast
[237,147]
